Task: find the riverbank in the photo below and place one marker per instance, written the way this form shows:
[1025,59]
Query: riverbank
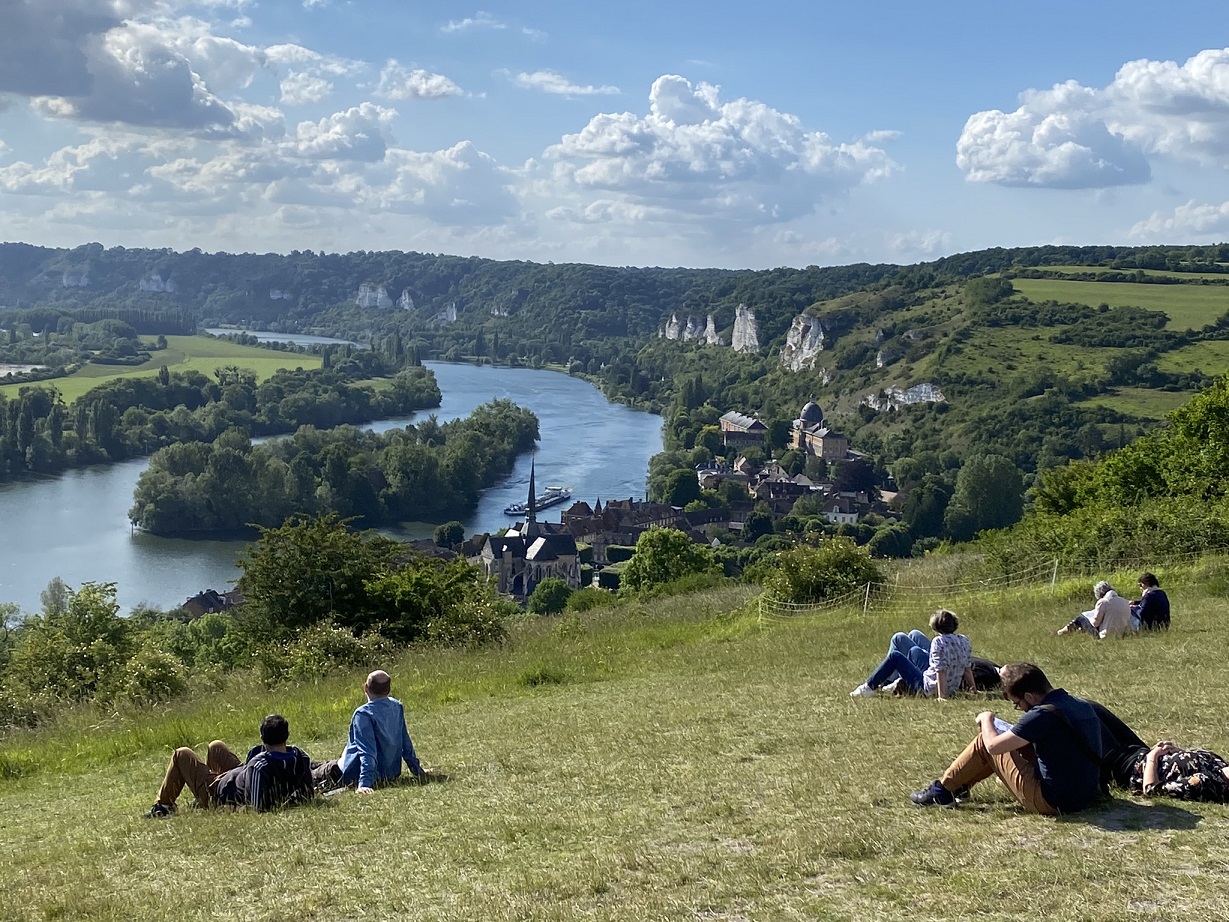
[76,526]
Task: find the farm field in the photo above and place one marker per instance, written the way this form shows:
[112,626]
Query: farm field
[183,353]
[1209,357]
[1159,273]
[1142,402]
[1189,307]
[676,760]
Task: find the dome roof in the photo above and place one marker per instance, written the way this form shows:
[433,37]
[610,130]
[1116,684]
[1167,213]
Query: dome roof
[811,413]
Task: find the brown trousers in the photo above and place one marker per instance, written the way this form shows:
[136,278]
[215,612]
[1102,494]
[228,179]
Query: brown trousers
[201,778]
[1016,769]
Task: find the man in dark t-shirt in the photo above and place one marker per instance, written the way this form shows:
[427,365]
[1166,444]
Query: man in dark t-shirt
[1050,759]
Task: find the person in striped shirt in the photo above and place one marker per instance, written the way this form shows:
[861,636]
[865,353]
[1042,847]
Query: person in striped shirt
[274,774]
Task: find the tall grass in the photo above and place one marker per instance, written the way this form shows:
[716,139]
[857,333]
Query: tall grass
[676,760]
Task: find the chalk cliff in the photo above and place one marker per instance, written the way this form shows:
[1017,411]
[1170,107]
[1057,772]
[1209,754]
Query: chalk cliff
[373,296]
[803,343]
[746,336]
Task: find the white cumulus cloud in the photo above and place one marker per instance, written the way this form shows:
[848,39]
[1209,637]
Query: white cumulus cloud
[480,20]
[696,158]
[547,81]
[1073,136]
[397,82]
[1187,221]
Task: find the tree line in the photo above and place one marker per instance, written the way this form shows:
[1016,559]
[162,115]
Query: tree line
[132,416]
[429,471]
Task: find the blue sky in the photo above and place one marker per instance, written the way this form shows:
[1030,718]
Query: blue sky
[698,134]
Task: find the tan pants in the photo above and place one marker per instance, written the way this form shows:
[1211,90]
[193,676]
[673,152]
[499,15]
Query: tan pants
[200,777]
[1016,769]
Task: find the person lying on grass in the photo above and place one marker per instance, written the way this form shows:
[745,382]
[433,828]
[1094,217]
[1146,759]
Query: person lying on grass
[919,666]
[273,775]
[1050,760]
[1110,617]
[1166,770]
[379,741]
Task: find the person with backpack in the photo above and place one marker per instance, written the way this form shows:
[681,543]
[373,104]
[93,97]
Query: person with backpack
[1050,760]
[273,775]
[379,742]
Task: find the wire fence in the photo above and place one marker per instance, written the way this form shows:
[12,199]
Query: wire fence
[1042,576]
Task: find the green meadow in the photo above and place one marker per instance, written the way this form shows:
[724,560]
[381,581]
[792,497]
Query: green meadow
[1158,273]
[1142,402]
[1189,307]
[183,353]
[683,759]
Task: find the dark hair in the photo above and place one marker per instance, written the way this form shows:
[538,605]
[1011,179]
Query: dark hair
[380,686]
[1148,579]
[1021,678]
[944,621]
[274,730]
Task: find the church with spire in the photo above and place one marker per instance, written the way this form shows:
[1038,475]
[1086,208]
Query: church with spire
[531,551]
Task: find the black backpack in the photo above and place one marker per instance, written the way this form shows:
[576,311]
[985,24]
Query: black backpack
[986,675]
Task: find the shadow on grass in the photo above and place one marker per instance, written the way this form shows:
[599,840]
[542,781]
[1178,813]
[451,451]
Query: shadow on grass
[1131,816]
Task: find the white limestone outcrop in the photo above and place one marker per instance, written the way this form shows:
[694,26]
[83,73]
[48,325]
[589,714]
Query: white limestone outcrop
[406,301]
[155,282]
[746,336]
[711,336]
[448,314]
[893,398]
[279,294]
[373,296]
[803,343]
[76,279]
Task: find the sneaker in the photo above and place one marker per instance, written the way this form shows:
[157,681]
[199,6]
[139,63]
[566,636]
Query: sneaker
[934,796]
[160,811]
[862,691]
[897,688]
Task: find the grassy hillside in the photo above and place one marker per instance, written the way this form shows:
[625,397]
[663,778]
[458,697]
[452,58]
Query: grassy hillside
[183,353]
[679,761]
[1190,307]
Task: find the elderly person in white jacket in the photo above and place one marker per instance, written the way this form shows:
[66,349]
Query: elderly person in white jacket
[1110,617]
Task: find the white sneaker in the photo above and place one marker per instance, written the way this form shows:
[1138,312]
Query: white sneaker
[862,691]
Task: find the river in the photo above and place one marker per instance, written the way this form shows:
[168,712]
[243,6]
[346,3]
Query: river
[76,526]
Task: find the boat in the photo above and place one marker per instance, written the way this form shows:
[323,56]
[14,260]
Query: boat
[551,496]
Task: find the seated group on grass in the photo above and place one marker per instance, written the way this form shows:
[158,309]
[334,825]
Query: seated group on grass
[1114,616]
[275,774]
[1062,754]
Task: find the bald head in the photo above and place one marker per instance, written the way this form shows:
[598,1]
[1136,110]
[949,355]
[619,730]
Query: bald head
[378,684]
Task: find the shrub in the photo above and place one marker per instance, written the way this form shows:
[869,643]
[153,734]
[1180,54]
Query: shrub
[472,623]
[324,647]
[589,598]
[549,597]
[618,553]
[808,573]
[153,675]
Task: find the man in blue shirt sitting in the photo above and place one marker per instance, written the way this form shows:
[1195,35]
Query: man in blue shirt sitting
[1050,760]
[379,741]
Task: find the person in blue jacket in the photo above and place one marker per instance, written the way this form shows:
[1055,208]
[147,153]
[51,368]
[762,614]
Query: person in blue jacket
[379,742]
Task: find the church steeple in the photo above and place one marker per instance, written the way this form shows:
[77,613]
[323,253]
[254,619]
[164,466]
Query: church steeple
[531,520]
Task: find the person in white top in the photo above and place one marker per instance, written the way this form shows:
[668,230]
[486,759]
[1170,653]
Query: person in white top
[948,660]
[1110,617]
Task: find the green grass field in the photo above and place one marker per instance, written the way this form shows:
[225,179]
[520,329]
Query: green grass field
[680,761]
[1189,307]
[1159,273]
[183,353]
[1142,402]
[1209,357]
